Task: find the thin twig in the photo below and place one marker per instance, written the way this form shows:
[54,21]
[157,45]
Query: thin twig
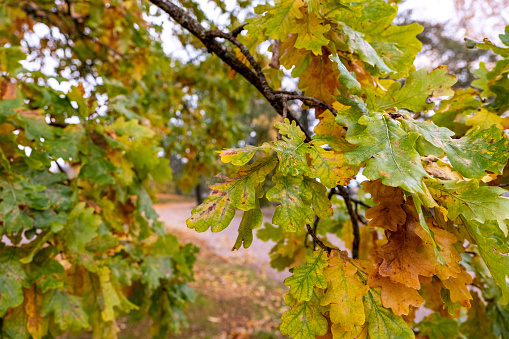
[237,30]
[362,203]
[318,241]
[343,191]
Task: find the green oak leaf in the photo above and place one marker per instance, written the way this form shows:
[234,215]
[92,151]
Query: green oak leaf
[389,152]
[382,323]
[494,249]
[11,280]
[219,207]
[81,227]
[67,310]
[304,320]
[432,140]
[155,268]
[281,17]
[479,151]
[14,325]
[437,327]
[366,52]
[296,156]
[418,86]
[445,296]
[241,156]
[311,33]
[499,315]
[292,149]
[308,275]
[251,220]
[322,206]
[473,202]
[505,37]
[294,211]
[472,155]
[347,79]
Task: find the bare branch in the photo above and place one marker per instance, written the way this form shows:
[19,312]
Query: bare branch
[343,191]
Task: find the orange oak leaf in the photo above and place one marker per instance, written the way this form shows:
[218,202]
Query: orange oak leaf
[458,288]
[401,260]
[396,296]
[386,216]
[320,80]
[382,193]
[445,241]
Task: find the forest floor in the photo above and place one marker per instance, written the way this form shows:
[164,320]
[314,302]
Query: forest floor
[239,294]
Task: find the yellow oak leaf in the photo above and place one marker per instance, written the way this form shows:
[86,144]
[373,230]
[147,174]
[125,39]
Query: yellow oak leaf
[485,119]
[344,293]
[396,296]
[458,288]
[310,31]
[358,332]
[401,260]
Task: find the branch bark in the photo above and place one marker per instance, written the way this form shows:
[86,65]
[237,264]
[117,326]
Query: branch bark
[343,191]
[255,77]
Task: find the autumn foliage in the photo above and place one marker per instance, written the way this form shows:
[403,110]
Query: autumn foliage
[418,249]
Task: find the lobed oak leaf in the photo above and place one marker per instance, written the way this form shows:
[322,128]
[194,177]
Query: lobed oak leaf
[251,220]
[382,323]
[357,43]
[396,296]
[389,152]
[472,201]
[304,320]
[419,85]
[305,277]
[310,32]
[458,288]
[494,249]
[294,212]
[282,18]
[320,80]
[344,293]
[402,262]
[322,206]
[358,332]
[386,216]
[436,326]
[241,156]
[219,207]
[445,241]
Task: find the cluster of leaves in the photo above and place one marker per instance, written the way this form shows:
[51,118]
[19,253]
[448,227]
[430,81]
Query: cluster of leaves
[437,234]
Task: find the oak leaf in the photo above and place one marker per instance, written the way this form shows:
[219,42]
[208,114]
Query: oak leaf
[402,262]
[396,296]
[344,293]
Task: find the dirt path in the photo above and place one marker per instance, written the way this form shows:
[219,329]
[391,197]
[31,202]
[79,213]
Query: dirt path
[175,214]
[239,295]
